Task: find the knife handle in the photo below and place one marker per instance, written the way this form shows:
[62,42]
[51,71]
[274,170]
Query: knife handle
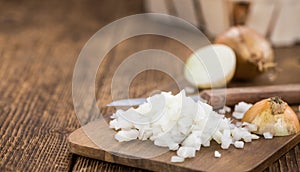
[231,96]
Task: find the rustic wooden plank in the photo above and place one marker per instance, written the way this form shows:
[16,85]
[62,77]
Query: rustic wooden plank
[85,164]
[297,155]
[39,43]
[274,167]
[256,156]
[291,160]
[140,89]
[137,91]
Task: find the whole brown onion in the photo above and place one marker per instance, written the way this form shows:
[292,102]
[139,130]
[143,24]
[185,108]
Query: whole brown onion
[253,52]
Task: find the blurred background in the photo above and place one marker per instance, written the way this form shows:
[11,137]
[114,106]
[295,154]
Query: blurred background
[51,34]
[41,40]
[275,19]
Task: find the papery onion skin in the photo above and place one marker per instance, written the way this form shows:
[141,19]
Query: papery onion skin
[273,115]
[253,52]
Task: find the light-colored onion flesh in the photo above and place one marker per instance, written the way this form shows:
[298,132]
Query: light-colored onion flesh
[210,66]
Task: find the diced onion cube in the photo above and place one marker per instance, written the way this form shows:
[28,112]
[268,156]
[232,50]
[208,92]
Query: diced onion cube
[217,154]
[186,152]
[206,144]
[222,111]
[247,137]
[254,136]
[177,159]
[226,141]
[267,135]
[126,135]
[238,115]
[227,109]
[239,144]
[242,107]
[251,127]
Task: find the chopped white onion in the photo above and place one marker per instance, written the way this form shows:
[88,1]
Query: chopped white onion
[251,127]
[192,141]
[227,109]
[238,115]
[189,90]
[254,137]
[217,154]
[239,144]
[217,137]
[177,159]
[174,146]
[206,144]
[124,135]
[226,142]
[237,133]
[267,135]
[224,110]
[186,152]
[247,137]
[114,124]
[182,125]
[226,139]
[240,109]
[238,124]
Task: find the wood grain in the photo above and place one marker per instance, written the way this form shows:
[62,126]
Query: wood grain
[255,156]
[39,44]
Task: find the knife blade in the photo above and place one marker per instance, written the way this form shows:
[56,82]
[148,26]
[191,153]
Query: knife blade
[231,96]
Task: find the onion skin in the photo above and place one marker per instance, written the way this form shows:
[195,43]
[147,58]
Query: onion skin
[266,114]
[253,52]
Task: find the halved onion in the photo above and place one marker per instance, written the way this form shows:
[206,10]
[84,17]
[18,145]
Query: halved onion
[210,66]
[273,115]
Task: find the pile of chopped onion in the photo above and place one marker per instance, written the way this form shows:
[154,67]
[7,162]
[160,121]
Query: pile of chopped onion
[181,124]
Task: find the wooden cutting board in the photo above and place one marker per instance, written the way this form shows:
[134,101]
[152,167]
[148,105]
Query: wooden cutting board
[256,155]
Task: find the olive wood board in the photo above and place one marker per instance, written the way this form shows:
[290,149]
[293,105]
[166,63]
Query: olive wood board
[255,156]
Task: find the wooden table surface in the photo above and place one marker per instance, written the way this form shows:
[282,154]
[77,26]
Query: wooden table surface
[39,44]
